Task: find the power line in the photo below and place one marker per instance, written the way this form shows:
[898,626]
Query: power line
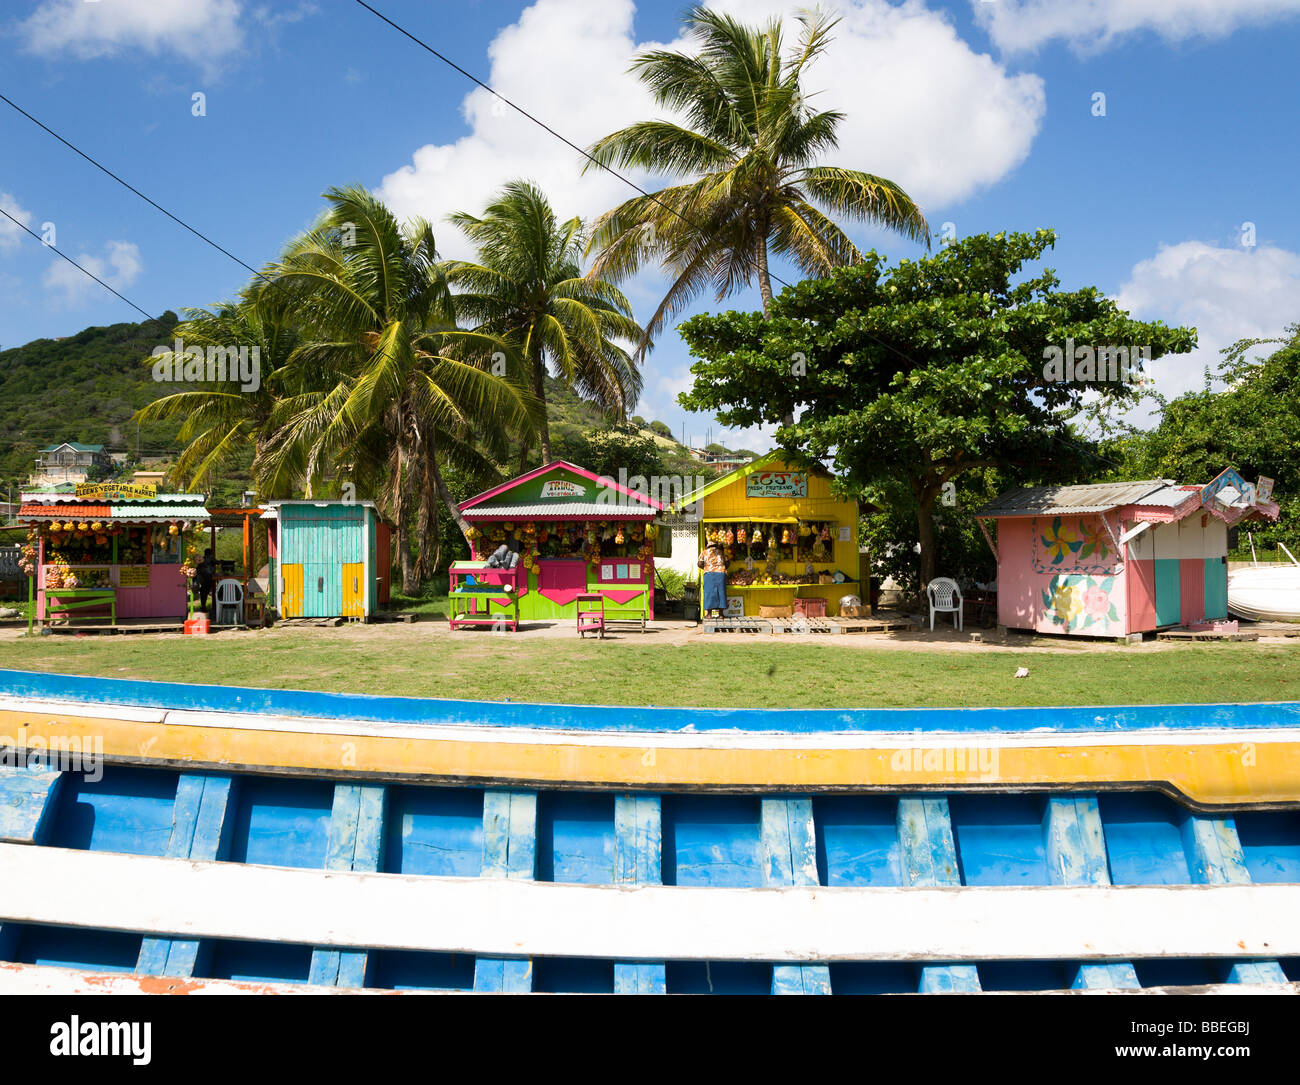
[542,124]
[126,184]
[74,263]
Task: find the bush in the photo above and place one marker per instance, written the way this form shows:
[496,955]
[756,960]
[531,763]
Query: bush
[673,582]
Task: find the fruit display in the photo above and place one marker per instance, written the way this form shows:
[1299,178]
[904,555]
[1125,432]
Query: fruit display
[761,547]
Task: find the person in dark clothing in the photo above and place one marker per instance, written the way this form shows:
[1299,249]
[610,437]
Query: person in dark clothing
[205,577]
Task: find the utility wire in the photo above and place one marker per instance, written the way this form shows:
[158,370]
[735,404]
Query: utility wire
[74,263]
[126,184]
[542,124]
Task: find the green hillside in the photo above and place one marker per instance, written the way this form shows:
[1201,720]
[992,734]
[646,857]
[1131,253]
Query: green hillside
[82,388]
[86,387]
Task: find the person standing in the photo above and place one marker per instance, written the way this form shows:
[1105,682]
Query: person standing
[205,577]
[713,586]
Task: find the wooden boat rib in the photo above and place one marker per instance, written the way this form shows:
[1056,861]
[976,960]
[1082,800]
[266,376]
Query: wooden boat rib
[271,840]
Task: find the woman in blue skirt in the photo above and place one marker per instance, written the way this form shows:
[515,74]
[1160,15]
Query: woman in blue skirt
[713,589]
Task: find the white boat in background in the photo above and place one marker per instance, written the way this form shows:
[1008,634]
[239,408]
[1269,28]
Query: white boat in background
[1265,593]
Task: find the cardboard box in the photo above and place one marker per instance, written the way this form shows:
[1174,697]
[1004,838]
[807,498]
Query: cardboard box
[855,612]
[774,612]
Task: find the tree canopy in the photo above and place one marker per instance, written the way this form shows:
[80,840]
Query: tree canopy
[909,377]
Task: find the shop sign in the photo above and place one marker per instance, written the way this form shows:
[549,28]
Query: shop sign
[133,576]
[777,484]
[118,491]
[562,488]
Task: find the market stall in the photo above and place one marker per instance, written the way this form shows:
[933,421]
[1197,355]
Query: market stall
[575,533]
[328,559]
[110,551]
[789,541]
[1119,558]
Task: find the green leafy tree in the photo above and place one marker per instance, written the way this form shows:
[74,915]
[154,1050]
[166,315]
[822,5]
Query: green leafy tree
[385,388]
[914,376]
[609,450]
[1252,424]
[528,288]
[222,421]
[749,148]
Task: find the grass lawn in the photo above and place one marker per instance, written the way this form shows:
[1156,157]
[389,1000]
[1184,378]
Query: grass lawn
[407,661]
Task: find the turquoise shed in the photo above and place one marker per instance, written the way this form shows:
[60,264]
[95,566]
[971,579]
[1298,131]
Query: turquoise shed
[329,559]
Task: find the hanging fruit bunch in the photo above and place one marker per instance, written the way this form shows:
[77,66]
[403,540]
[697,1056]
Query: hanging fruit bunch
[740,535]
[652,531]
[826,533]
[819,551]
[786,538]
[620,538]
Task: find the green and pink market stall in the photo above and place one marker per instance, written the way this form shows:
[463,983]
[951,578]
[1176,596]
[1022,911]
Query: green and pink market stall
[575,534]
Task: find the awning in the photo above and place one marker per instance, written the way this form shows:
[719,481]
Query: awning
[573,510]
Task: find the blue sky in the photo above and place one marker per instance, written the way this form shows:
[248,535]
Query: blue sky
[983,111]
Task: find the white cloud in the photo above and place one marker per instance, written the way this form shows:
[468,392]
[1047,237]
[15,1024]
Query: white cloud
[11,236]
[120,266]
[922,108]
[1227,294]
[1089,25]
[200,31]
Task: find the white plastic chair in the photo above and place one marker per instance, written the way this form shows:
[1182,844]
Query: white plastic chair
[945,598]
[230,602]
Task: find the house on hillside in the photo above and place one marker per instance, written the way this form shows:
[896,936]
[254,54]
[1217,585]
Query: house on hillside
[70,461]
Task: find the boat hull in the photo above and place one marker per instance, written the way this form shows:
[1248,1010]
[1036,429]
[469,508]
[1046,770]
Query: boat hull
[1265,594]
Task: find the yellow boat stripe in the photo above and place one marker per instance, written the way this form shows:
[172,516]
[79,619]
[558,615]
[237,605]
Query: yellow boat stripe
[1207,769]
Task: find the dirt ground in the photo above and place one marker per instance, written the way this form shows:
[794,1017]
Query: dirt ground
[676,633]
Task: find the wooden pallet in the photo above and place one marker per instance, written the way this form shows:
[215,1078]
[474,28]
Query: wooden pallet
[793,626]
[1204,634]
[738,625]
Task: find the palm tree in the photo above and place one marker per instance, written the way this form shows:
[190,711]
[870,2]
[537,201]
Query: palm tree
[528,287]
[751,147]
[221,421]
[384,385]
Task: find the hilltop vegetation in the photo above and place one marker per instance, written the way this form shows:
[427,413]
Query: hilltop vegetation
[81,388]
[86,387]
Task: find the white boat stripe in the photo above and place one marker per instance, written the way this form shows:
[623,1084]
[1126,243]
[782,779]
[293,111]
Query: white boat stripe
[509,917]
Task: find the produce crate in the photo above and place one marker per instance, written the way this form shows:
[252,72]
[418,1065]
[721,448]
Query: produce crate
[810,608]
[774,612]
[855,612]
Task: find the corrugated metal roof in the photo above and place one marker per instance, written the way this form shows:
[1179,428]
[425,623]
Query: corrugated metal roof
[60,511]
[1170,497]
[569,510]
[1067,500]
[160,512]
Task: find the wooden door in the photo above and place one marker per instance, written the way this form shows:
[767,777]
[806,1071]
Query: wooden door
[354,590]
[291,602]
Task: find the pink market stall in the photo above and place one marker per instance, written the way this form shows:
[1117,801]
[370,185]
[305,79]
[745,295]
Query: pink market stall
[112,552]
[1112,559]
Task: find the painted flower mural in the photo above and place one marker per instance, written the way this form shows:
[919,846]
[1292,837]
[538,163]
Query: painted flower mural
[1081,603]
[1059,541]
[1092,536]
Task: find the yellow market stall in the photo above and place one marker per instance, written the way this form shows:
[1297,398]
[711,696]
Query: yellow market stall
[789,542]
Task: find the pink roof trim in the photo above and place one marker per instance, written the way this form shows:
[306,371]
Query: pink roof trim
[592,476]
